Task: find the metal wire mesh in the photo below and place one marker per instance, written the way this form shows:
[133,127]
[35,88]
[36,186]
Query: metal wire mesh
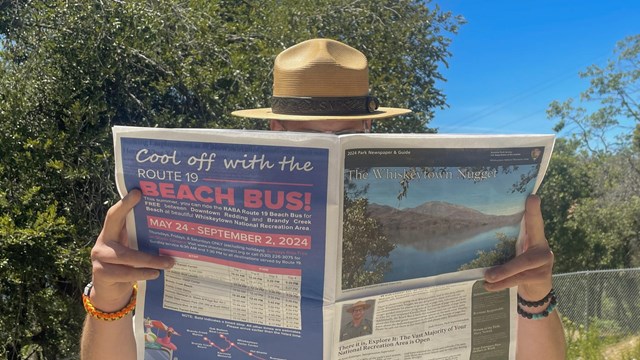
[609,299]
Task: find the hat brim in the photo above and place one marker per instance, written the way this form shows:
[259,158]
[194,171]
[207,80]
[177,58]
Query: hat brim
[363,306]
[266,113]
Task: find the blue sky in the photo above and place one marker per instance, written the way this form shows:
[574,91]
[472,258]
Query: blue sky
[513,58]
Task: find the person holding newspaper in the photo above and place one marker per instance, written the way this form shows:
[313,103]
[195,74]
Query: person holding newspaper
[320,85]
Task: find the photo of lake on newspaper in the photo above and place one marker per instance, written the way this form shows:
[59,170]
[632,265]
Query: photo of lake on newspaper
[414,222]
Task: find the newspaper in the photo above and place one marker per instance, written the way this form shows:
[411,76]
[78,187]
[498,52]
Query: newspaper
[318,246]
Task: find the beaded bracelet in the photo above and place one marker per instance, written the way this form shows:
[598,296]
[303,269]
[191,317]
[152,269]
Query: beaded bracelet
[108,316]
[540,302]
[553,302]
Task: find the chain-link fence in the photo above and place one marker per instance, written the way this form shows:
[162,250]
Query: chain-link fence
[609,299]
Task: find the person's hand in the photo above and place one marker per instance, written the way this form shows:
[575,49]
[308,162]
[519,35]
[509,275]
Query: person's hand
[531,269]
[115,266]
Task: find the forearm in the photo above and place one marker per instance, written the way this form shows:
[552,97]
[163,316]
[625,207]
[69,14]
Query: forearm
[541,338]
[105,339]
[112,295]
[108,339]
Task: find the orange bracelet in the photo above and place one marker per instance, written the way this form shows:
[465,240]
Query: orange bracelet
[108,316]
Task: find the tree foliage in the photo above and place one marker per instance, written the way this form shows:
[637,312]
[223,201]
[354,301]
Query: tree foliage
[592,188]
[70,70]
[615,88]
[503,251]
[365,247]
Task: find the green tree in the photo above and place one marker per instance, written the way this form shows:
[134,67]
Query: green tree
[615,124]
[70,70]
[504,251]
[591,191]
[365,247]
[568,181]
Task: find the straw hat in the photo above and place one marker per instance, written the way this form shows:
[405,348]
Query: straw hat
[321,79]
[359,304]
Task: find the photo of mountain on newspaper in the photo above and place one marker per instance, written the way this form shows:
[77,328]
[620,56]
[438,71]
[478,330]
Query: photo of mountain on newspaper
[409,222]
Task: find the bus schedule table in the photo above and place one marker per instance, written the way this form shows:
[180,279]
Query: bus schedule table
[231,290]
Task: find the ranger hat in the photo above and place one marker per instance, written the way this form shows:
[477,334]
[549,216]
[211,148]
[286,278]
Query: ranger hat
[321,79]
[359,304]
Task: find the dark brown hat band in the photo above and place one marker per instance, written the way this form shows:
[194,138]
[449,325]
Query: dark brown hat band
[324,105]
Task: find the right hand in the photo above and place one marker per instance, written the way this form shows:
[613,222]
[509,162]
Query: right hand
[115,266]
[531,269]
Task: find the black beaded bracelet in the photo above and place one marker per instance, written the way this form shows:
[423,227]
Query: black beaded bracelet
[540,302]
[553,302]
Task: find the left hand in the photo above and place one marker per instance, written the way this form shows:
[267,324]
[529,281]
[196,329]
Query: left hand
[531,269]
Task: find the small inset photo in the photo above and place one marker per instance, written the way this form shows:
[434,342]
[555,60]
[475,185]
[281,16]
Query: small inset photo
[535,154]
[356,319]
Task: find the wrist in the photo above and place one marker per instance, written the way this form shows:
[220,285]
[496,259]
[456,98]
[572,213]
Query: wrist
[534,292]
[110,301]
[537,309]
[99,314]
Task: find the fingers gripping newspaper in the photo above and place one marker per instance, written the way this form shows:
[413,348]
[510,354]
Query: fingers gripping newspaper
[316,246]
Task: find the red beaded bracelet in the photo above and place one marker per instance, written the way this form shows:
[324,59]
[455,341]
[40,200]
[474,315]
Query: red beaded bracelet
[108,316]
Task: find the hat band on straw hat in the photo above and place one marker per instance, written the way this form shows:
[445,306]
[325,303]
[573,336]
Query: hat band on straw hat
[358,105]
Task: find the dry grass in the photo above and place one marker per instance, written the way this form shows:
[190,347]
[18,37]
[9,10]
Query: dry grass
[623,349]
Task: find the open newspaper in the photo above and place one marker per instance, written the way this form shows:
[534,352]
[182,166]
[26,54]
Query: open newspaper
[318,246]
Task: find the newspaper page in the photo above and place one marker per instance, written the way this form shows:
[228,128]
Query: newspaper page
[435,210]
[454,321]
[264,225]
[245,215]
